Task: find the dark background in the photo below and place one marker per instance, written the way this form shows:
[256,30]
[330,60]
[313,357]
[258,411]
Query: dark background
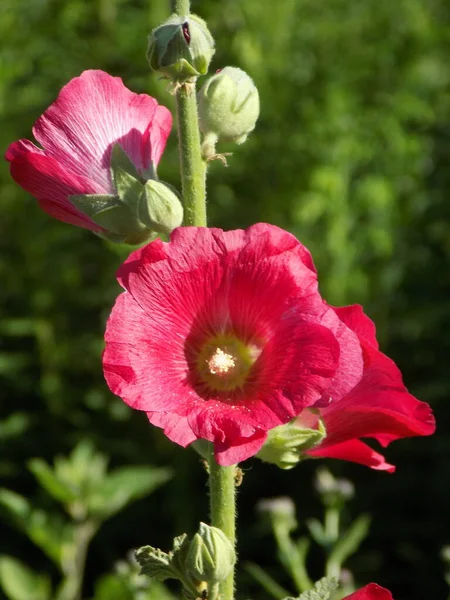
[351,154]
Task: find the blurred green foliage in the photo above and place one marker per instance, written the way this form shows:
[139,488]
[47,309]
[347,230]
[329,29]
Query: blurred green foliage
[350,154]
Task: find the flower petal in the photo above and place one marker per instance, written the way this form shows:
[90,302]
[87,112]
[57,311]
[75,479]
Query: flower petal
[91,114]
[370,592]
[353,451]
[46,180]
[379,406]
[355,318]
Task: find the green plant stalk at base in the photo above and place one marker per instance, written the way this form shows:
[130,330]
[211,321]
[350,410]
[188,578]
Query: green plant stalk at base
[193,167]
[222,487]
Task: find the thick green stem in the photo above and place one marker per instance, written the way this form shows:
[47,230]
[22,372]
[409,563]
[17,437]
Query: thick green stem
[193,167]
[222,486]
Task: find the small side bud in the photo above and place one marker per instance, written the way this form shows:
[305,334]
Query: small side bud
[228,105]
[211,555]
[181,48]
[286,445]
[159,207]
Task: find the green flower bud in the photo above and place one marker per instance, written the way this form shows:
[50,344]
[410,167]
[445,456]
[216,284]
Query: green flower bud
[181,48]
[159,207]
[286,445]
[228,105]
[211,555]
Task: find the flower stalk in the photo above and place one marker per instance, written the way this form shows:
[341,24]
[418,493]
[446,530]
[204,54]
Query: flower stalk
[192,165]
[222,488]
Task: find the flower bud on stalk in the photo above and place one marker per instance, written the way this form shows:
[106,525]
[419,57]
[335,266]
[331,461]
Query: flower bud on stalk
[211,555]
[228,105]
[181,48]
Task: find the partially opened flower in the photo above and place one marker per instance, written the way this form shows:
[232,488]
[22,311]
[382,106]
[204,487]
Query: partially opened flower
[223,336]
[371,592]
[378,407]
[92,114]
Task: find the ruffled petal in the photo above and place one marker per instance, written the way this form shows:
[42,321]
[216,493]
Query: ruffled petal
[353,451]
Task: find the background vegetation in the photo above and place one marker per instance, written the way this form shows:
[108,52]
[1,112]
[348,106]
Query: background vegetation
[350,154]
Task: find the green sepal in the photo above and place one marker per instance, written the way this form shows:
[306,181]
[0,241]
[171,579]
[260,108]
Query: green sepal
[125,178]
[91,204]
[160,207]
[286,445]
[121,161]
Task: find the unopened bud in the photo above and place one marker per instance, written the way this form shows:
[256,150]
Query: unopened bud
[160,208]
[286,445]
[181,48]
[211,555]
[228,105]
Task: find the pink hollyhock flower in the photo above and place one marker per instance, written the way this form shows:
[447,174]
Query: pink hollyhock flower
[378,407]
[223,336]
[92,113]
[371,592]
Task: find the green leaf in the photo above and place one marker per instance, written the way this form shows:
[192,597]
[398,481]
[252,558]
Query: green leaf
[322,590]
[21,583]
[60,490]
[123,486]
[48,532]
[113,587]
[349,543]
[13,426]
[155,563]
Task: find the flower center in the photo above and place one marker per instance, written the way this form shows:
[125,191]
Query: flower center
[224,363]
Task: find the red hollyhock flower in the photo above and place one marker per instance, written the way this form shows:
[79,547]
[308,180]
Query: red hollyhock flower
[378,407]
[371,592]
[91,114]
[223,336]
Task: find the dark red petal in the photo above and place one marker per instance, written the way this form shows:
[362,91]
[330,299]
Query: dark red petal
[353,451]
[370,592]
[51,184]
